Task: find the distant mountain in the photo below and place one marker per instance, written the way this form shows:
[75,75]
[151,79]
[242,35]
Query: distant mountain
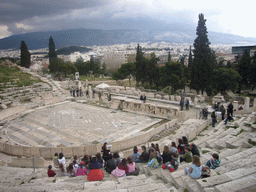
[90,37]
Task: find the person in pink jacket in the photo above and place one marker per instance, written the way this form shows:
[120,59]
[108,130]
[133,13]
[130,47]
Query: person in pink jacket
[81,169]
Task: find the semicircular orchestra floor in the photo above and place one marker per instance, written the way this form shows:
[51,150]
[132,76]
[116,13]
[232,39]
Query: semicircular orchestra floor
[75,124]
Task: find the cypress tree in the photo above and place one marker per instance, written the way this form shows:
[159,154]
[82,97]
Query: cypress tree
[25,56]
[190,59]
[52,56]
[140,66]
[169,57]
[202,67]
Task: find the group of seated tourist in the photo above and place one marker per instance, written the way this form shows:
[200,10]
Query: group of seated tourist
[170,158]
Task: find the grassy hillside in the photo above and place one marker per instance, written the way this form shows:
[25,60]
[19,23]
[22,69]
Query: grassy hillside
[8,74]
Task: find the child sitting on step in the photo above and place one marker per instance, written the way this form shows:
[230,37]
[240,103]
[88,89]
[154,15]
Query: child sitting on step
[214,162]
[195,169]
[50,172]
[173,164]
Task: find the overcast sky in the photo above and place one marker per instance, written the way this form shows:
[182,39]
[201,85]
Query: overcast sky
[23,16]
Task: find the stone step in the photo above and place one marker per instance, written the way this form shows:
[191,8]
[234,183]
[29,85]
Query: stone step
[191,184]
[212,181]
[228,152]
[244,184]
[233,165]
[242,154]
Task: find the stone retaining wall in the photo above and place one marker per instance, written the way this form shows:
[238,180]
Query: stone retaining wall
[140,106]
[47,152]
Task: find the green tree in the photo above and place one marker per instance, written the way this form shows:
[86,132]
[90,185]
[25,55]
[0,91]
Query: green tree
[94,66]
[169,57]
[225,79]
[81,66]
[172,74]
[140,66]
[66,67]
[151,70]
[252,75]
[25,57]
[203,63]
[244,68]
[52,56]
[190,58]
[126,70]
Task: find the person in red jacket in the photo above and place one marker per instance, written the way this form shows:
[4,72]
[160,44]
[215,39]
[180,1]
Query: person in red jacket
[50,172]
[123,165]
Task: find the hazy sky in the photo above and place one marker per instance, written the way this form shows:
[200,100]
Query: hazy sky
[23,16]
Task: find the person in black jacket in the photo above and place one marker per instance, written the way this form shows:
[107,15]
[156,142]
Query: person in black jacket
[230,108]
[194,149]
[144,157]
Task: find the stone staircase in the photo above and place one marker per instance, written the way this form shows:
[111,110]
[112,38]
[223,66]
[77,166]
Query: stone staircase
[236,173]
[20,179]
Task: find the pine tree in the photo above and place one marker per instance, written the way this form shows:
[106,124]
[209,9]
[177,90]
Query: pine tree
[52,56]
[204,59]
[25,56]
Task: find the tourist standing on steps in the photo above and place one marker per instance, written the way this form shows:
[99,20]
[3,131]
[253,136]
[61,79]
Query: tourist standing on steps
[80,91]
[223,111]
[100,99]
[74,92]
[187,104]
[93,93]
[71,91]
[213,116]
[230,109]
[109,96]
[181,104]
[77,92]
[105,152]
[205,113]
[144,98]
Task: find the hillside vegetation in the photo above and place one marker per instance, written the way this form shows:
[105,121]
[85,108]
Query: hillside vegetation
[15,77]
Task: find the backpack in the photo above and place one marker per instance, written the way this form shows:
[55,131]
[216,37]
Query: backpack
[206,172]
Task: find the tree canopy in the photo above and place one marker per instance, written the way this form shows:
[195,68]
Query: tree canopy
[225,79]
